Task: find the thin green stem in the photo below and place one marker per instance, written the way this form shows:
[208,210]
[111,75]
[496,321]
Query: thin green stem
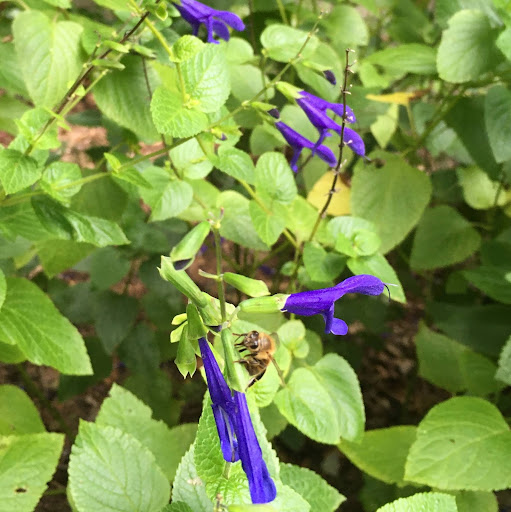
[36,392]
[23,4]
[219,273]
[282,11]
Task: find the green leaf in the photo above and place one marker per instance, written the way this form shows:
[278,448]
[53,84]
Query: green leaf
[236,223]
[116,5]
[467,49]
[479,191]
[473,454]
[504,369]
[107,267]
[283,42]
[3,288]
[341,383]
[27,463]
[393,197]
[167,198]
[49,55]
[468,501]
[307,405]
[492,281]
[17,171]
[114,316]
[385,125]
[354,236]
[30,320]
[452,366]
[235,163]
[497,115]
[70,225]
[346,26]
[121,96]
[312,487]
[409,58]
[59,255]
[31,126]
[18,414]
[104,457]
[247,81]
[430,501]
[190,160]
[443,238]
[172,117]
[10,72]
[58,181]
[186,488]
[378,266]
[268,224]
[382,453]
[275,179]
[206,78]
[126,412]
[322,267]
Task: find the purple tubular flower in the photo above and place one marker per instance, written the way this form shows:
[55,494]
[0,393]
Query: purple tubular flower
[329,75]
[215,21]
[261,486]
[235,430]
[298,142]
[321,104]
[322,301]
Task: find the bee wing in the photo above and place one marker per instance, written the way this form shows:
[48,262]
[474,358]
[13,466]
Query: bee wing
[275,336]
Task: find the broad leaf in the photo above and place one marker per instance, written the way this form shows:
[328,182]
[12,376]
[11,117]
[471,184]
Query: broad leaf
[29,319]
[410,58]
[49,55]
[393,197]
[497,114]
[17,171]
[27,463]
[104,457]
[283,42]
[18,414]
[274,178]
[235,163]
[268,224]
[58,181]
[504,369]
[429,501]
[473,454]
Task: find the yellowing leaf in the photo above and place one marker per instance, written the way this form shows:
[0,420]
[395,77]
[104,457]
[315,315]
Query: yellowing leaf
[340,204]
[400,98]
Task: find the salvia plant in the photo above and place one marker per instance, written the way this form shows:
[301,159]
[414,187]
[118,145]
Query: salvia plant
[255,256]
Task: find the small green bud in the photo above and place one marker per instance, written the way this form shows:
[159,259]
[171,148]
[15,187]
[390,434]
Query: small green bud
[183,254]
[264,304]
[183,282]
[186,361]
[196,328]
[289,91]
[251,287]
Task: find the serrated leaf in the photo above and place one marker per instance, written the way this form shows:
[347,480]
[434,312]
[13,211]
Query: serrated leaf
[58,179]
[443,238]
[473,454]
[188,487]
[410,58]
[268,224]
[49,55]
[468,501]
[430,501]
[122,96]
[274,178]
[235,163]
[479,191]
[497,115]
[59,255]
[346,26]
[31,125]
[29,319]
[504,369]
[467,49]
[167,198]
[107,267]
[492,281]
[125,411]
[382,453]
[306,404]
[189,159]
[105,457]
[393,197]
[17,171]
[27,463]
[320,265]
[18,414]
[206,78]
[312,487]
[67,224]
[283,42]
[172,117]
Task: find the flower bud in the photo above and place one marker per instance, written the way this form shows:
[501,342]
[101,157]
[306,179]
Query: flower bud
[264,304]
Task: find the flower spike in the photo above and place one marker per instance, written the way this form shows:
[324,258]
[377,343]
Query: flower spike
[321,302]
[215,21]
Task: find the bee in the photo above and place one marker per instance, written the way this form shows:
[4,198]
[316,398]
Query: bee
[257,349]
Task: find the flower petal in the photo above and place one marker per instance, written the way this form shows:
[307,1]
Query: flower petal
[334,325]
[363,283]
[231,19]
[354,141]
[261,485]
[322,104]
[293,138]
[327,155]
[226,433]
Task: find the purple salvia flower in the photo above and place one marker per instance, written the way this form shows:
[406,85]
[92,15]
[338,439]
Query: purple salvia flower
[238,440]
[322,301]
[298,142]
[261,486]
[329,75]
[315,109]
[215,21]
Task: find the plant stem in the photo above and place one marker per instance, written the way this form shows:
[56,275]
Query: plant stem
[36,392]
[221,285]
[282,11]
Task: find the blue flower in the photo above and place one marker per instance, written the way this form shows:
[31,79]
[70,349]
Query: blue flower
[235,430]
[322,301]
[315,109]
[330,76]
[298,142]
[215,21]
